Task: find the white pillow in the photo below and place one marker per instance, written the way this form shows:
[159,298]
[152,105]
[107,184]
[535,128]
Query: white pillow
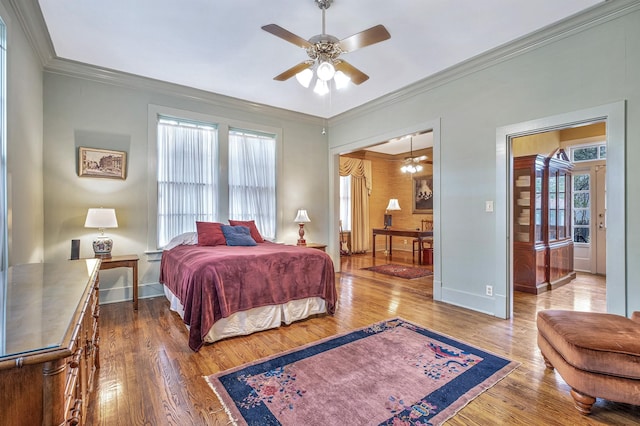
[186,239]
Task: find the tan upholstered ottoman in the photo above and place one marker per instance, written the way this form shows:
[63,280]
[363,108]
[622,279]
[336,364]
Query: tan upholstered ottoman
[598,355]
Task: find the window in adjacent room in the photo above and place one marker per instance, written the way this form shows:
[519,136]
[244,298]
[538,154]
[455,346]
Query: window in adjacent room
[589,153]
[252,179]
[581,208]
[187,178]
[345,202]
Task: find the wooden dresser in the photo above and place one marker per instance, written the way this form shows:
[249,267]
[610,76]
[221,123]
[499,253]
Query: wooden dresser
[49,343]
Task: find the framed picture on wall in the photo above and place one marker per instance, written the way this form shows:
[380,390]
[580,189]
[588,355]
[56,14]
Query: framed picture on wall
[102,163]
[422,194]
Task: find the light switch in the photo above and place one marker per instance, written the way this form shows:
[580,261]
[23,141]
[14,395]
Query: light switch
[488,206]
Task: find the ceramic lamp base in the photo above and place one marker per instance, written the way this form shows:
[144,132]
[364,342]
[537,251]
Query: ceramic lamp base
[102,246]
[301,240]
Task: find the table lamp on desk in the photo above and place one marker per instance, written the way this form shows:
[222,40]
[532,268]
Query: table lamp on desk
[101,219]
[393,205]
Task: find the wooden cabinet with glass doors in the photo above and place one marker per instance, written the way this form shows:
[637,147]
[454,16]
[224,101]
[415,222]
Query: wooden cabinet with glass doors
[542,246]
[529,246]
[559,239]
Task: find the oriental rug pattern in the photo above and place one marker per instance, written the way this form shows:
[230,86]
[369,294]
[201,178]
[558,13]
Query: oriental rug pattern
[401,271]
[390,373]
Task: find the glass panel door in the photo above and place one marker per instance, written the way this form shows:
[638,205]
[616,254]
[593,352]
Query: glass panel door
[553,206]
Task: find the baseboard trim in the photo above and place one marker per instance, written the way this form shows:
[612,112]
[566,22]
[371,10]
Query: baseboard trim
[125,294]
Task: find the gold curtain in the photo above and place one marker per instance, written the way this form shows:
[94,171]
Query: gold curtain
[360,171]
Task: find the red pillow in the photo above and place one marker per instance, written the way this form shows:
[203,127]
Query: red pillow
[253,229]
[210,234]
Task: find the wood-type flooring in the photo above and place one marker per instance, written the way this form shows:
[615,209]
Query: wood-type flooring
[149,376]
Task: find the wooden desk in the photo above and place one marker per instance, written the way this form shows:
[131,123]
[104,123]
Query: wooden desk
[391,232]
[126,261]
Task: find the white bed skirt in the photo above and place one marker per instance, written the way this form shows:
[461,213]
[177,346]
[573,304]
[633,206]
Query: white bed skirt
[256,319]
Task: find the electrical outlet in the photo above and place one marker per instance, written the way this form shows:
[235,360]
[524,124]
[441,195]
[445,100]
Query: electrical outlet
[489,290]
[404,242]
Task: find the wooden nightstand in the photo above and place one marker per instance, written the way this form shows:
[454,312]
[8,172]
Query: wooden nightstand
[317,246]
[126,261]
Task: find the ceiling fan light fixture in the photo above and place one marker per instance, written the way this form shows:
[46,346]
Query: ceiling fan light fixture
[322,88]
[325,71]
[304,77]
[341,79]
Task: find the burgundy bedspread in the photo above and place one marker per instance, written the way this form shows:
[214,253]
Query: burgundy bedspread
[214,282]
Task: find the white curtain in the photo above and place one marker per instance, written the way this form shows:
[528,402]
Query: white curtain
[187,181]
[252,179]
[345,202]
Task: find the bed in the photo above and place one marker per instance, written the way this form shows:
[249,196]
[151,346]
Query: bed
[222,291]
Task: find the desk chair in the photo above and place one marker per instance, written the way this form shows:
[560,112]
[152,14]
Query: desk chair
[426,225]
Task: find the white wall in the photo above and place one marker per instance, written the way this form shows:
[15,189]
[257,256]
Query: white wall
[24,144]
[591,66]
[82,112]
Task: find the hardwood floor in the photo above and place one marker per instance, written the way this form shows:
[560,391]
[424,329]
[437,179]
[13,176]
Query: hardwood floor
[149,376]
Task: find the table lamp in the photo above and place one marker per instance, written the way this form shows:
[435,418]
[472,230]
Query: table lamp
[301,219]
[101,218]
[393,205]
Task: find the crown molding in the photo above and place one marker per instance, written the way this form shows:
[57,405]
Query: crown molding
[579,22]
[88,72]
[30,17]
[32,22]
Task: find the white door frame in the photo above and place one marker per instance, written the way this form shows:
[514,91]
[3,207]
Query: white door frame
[614,115]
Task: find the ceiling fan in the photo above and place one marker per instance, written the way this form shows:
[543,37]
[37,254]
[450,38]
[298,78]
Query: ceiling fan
[324,52]
[412,164]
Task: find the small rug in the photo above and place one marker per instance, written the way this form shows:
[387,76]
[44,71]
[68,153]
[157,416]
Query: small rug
[409,272]
[390,373]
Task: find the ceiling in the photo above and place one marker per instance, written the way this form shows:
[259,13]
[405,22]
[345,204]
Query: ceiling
[219,46]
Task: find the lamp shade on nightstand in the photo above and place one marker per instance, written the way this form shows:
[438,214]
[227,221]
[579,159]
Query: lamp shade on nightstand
[101,218]
[301,218]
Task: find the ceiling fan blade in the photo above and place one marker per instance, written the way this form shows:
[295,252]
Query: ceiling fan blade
[365,38]
[293,71]
[356,76]
[278,31]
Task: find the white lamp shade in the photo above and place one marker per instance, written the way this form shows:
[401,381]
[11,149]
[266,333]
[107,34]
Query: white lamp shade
[341,80]
[304,77]
[325,71]
[321,88]
[302,217]
[393,204]
[101,218]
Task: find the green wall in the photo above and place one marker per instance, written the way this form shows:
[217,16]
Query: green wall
[582,65]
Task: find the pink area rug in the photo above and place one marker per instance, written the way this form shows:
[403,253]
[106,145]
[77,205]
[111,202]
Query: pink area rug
[401,271]
[390,373]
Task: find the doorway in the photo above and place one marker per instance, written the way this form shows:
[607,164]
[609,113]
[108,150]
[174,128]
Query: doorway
[584,148]
[614,117]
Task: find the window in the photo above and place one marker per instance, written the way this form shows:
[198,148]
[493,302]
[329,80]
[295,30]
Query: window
[581,208]
[187,179]
[4,261]
[589,153]
[252,179]
[345,202]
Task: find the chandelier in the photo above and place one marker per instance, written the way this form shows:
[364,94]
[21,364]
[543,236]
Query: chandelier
[412,164]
